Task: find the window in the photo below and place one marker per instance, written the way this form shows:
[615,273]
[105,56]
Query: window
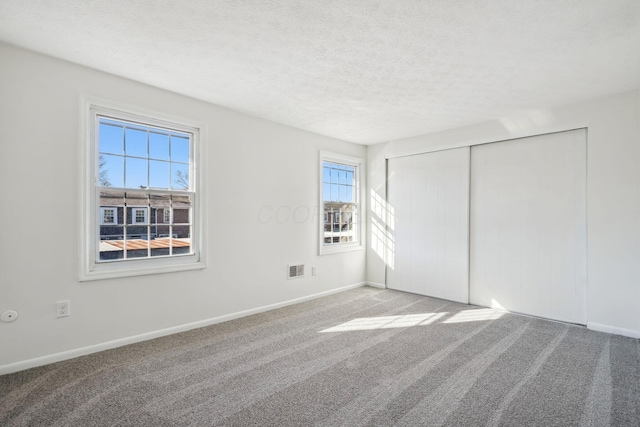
[141,170]
[139,215]
[108,216]
[340,201]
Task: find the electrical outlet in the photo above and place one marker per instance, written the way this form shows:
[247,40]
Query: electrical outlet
[63,308]
[313,270]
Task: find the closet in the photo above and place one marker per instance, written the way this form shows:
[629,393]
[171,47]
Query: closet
[497,225]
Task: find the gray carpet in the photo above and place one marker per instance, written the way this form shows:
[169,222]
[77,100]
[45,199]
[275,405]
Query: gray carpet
[365,357]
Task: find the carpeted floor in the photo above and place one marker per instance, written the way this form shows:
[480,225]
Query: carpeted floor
[363,357]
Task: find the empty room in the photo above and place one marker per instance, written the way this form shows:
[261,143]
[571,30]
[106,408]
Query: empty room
[337,213]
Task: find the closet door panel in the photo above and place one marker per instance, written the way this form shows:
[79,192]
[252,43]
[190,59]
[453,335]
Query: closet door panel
[528,226]
[429,194]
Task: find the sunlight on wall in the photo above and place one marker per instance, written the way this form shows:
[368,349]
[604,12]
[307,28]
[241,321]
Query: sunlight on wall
[527,121]
[496,304]
[382,225]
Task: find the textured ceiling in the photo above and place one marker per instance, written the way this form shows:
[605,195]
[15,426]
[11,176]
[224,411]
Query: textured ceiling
[359,70]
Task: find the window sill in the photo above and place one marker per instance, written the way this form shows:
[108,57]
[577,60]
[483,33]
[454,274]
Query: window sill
[141,267]
[338,249]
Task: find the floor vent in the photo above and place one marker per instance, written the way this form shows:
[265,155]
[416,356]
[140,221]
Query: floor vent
[296,271]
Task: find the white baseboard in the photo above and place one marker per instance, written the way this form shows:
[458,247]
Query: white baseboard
[70,354]
[377,285]
[613,330]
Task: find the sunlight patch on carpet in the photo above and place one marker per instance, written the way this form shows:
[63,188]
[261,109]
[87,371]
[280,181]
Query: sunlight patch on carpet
[475,315]
[417,319]
[387,322]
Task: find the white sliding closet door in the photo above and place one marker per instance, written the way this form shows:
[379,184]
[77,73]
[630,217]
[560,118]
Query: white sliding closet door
[428,196]
[528,245]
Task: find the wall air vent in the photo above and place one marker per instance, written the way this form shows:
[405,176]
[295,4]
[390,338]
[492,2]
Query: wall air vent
[296,271]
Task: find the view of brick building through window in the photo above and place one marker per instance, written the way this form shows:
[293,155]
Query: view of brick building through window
[146,206]
[339,197]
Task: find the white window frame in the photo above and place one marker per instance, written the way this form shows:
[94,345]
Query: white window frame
[326,249]
[103,211]
[134,216]
[90,214]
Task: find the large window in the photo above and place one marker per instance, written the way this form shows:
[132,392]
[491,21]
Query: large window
[340,200]
[141,196]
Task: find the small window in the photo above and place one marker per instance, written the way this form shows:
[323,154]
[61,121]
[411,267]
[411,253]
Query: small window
[340,200]
[140,215]
[143,170]
[108,216]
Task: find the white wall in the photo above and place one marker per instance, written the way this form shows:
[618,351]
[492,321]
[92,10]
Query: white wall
[613,195]
[250,164]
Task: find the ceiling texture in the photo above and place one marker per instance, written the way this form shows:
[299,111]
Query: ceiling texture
[359,70]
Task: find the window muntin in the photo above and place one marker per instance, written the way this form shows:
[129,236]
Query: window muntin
[143,172]
[340,203]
